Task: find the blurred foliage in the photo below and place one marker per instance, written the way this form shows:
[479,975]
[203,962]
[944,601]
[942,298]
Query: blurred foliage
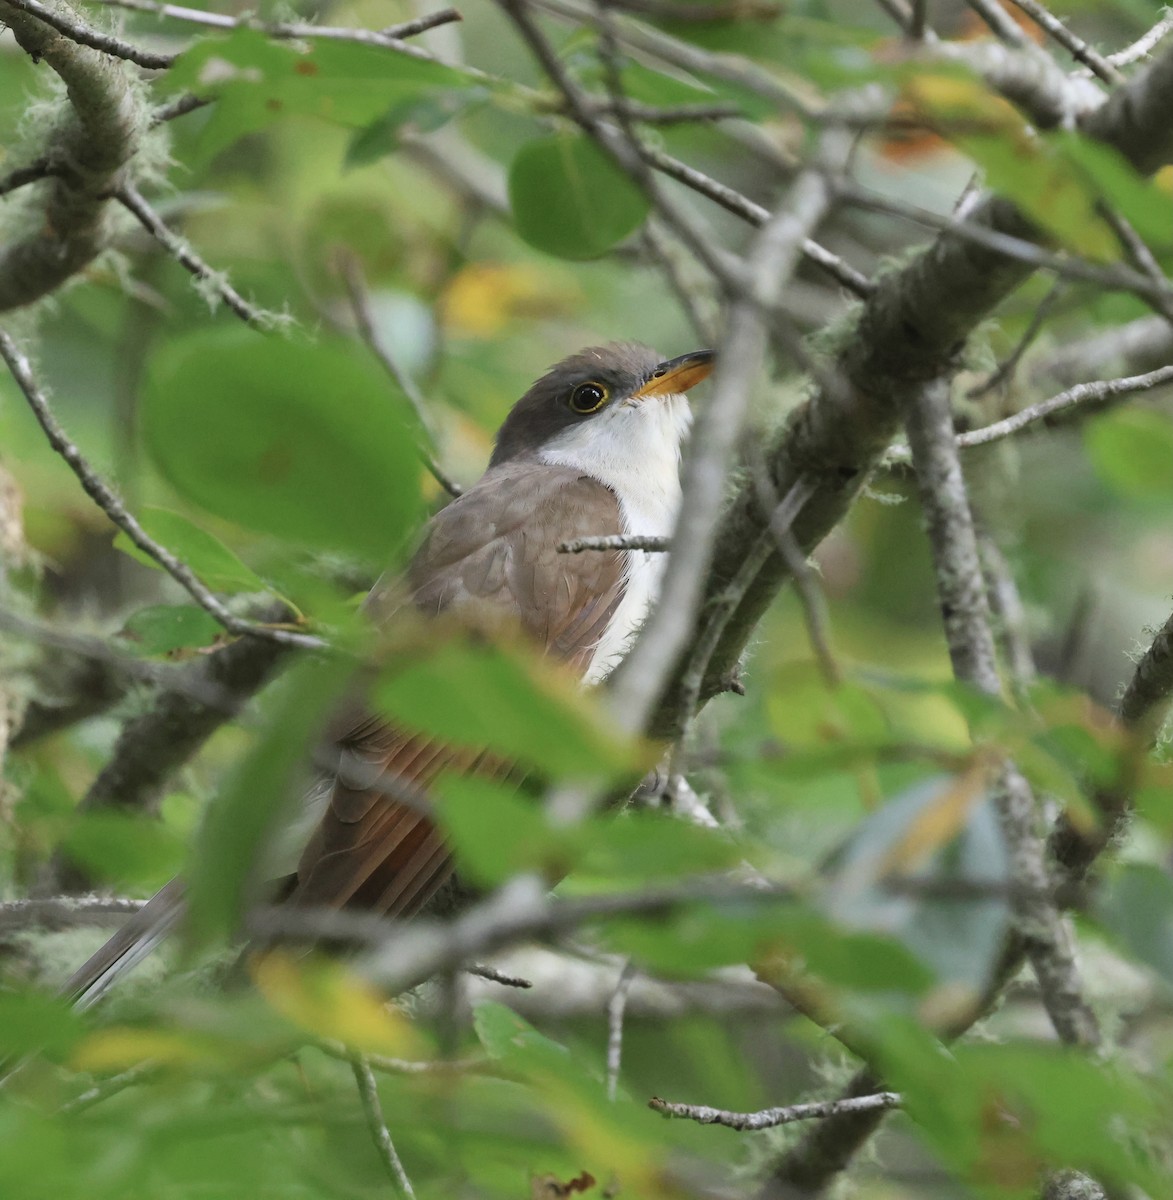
[494,239]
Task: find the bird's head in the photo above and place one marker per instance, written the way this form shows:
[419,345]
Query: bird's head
[605,397]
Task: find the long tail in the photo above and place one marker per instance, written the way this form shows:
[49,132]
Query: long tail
[138,938]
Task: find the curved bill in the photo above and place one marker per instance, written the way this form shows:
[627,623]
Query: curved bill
[677,375]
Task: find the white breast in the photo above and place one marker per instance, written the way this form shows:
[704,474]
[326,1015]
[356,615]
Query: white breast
[634,449]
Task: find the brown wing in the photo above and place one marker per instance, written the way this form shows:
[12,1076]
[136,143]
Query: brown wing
[491,558]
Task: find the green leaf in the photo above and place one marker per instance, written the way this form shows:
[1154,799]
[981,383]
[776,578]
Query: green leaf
[570,200]
[1002,1114]
[699,937]
[1132,451]
[497,831]
[207,556]
[33,1021]
[288,437]
[242,817]
[125,849]
[654,845]
[487,697]
[419,112]
[494,831]
[256,81]
[505,1035]
[164,628]
[1146,207]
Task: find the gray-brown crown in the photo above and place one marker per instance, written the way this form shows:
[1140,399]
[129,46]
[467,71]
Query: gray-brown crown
[545,410]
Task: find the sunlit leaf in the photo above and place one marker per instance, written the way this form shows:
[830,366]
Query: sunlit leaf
[570,200]
[329,1000]
[1040,176]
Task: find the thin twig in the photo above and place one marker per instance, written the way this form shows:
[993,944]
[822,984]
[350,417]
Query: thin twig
[649,543]
[103,496]
[774,256]
[1087,398]
[666,254]
[368,1092]
[131,199]
[405,1066]
[1142,256]
[771,1118]
[406,29]
[1115,276]
[755,214]
[1144,45]
[725,66]
[647,114]
[23,176]
[86,35]
[1006,604]
[179,107]
[1076,46]
[918,25]
[616,1007]
[482,971]
[1004,372]
[1001,24]
[390,38]
[356,290]
[110,1087]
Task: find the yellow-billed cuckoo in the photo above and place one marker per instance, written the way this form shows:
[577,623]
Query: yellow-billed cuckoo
[593,448]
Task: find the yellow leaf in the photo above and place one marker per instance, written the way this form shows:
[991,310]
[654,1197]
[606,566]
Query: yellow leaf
[328,1000]
[483,297]
[120,1048]
[939,821]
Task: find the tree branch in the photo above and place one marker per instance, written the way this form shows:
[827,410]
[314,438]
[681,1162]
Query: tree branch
[88,155]
[962,596]
[152,746]
[64,912]
[908,331]
[771,1118]
[216,284]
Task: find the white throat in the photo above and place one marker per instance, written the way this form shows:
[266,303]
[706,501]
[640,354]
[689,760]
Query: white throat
[634,449]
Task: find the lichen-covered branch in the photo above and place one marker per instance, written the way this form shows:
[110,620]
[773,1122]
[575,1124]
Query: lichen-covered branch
[961,593]
[88,154]
[152,746]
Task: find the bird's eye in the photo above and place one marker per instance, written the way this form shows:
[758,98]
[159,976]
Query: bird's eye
[588,397]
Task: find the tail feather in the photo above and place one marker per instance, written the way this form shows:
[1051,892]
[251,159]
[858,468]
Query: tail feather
[138,938]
